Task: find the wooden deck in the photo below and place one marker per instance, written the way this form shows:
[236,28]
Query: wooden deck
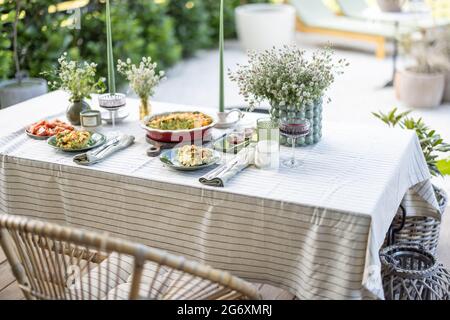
[8,285]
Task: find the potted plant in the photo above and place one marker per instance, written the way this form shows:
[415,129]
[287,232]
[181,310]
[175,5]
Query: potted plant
[22,87]
[80,81]
[143,80]
[293,84]
[420,85]
[391,5]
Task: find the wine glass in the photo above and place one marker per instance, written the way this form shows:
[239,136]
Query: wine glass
[294,128]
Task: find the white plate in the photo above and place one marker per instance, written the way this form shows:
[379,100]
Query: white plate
[169,158]
[120,116]
[231,122]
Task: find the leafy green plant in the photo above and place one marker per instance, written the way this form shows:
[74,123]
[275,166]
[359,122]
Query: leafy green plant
[165,30]
[42,38]
[91,38]
[432,144]
[158,32]
[140,28]
[29,37]
[6,57]
[191,24]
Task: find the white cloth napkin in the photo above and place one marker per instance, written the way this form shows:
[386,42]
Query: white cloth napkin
[113,145]
[222,174]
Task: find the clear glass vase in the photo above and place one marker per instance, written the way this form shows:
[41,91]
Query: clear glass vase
[145,108]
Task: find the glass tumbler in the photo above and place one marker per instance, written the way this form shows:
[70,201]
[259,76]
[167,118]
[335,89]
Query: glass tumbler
[267,153]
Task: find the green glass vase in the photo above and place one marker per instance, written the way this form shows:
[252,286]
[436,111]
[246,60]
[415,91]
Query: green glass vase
[312,112]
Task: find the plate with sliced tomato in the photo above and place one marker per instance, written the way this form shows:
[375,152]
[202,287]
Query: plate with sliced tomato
[44,129]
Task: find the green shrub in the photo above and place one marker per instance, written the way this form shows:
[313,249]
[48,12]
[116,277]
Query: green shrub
[160,41]
[140,28]
[6,57]
[191,24]
[6,53]
[41,39]
[164,30]
[90,40]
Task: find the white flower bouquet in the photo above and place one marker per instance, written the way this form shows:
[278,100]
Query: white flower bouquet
[143,78]
[78,79]
[286,77]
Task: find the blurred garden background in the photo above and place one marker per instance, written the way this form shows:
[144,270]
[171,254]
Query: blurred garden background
[166,30]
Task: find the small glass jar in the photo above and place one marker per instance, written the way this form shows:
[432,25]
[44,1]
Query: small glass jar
[91,119]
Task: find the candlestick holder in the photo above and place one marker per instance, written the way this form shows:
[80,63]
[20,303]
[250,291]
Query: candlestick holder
[112,102]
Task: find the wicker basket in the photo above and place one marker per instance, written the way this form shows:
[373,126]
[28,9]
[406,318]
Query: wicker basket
[418,229]
[313,113]
[410,272]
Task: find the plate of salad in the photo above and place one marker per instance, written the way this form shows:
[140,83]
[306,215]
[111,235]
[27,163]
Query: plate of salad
[76,141]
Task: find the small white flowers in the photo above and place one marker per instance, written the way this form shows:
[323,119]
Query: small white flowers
[76,78]
[286,77]
[143,78]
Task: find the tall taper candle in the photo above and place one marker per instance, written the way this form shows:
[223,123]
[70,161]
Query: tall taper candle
[111,73]
[222,73]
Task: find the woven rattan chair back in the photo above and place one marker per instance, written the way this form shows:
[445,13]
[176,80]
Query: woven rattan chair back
[52,262]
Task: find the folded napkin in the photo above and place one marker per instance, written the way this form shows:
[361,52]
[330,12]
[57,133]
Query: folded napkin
[222,174]
[111,146]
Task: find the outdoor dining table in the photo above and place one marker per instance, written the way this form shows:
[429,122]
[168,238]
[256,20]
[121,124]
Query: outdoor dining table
[315,230]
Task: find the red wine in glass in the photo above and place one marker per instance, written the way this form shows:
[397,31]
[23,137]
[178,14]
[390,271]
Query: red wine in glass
[294,128]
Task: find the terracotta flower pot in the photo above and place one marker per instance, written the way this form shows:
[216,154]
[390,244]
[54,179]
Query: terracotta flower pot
[447,88]
[420,90]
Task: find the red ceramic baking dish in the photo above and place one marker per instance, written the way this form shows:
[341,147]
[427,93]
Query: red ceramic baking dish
[176,136]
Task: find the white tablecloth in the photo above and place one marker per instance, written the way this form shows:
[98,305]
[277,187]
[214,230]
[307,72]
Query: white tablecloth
[315,230]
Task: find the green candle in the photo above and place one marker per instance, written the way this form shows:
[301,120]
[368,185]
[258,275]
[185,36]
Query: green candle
[109,49]
[222,74]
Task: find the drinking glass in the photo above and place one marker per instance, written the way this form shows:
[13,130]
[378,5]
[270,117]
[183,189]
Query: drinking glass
[294,128]
[268,129]
[267,154]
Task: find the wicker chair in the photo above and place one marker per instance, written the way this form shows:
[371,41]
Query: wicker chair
[419,230]
[52,262]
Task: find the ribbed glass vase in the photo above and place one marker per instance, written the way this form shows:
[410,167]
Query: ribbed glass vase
[312,112]
[145,108]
